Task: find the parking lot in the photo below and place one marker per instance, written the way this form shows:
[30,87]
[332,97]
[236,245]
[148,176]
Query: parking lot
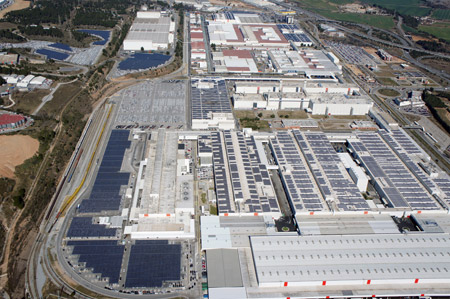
[152,105]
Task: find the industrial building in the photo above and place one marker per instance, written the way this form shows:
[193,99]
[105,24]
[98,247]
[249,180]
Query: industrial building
[11,59]
[313,63]
[234,61]
[236,18]
[211,107]
[243,185]
[151,30]
[316,98]
[255,36]
[163,200]
[295,35]
[320,261]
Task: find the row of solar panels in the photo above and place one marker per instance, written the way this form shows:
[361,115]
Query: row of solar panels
[206,100]
[150,263]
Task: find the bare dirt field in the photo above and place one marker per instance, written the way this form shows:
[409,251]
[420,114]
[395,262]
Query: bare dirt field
[17,5]
[15,150]
[232,3]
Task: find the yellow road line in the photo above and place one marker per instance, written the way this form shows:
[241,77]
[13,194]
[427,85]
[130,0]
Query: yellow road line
[75,193]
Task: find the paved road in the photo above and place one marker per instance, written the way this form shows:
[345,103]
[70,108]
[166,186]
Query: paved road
[49,97]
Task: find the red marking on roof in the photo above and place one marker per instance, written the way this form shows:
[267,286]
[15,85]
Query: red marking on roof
[240,37]
[196,35]
[259,34]
[6,119]
[238,69]
[198,45]
[245,54]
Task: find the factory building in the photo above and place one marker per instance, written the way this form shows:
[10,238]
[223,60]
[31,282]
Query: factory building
[163,199]
[151,30]
[347,260]
[234,61]
[254,36]
[339,104]
[211,107]
[313,63]
[317,98]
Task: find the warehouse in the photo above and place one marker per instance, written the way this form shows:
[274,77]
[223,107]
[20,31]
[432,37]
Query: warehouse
[224,274]
[337,260]
[211,107]
[25,81]
[234,61]
[339,104]
[254,36]
[243,184]
[237,18]
[150,31]
[163,199]
[313,63]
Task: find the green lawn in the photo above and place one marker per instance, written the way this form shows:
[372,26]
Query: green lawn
[382,22]
[441,14]
[440,30]
[389,92]
[407,7]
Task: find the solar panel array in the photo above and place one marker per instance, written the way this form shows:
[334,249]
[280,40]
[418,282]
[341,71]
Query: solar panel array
[328,171]
[102,257]
[288,26]
[207,100]
[61,47]
[393,180]
[223,189]
[52,54]
[152,262]
[105,194]
[249,188]
[297,37]
[83,227]
[405,147]
[302,192]
[229,15]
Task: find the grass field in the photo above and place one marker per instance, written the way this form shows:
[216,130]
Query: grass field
[440,30]
[441,14]
[386,81]
[382,22]
[389,92]
[406,7]
[27,102]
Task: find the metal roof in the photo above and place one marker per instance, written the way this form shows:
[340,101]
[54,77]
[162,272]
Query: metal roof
[351,258]
[224,269]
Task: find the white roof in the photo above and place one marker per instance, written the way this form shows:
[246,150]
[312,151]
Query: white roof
[27,79]
[351,258]
[38,80]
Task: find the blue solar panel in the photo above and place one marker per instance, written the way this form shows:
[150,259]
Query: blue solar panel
[52,54]
[143,61]
[103,257]
[61,47]
[82,227]
[105,192]
[153,262]
[104,34]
